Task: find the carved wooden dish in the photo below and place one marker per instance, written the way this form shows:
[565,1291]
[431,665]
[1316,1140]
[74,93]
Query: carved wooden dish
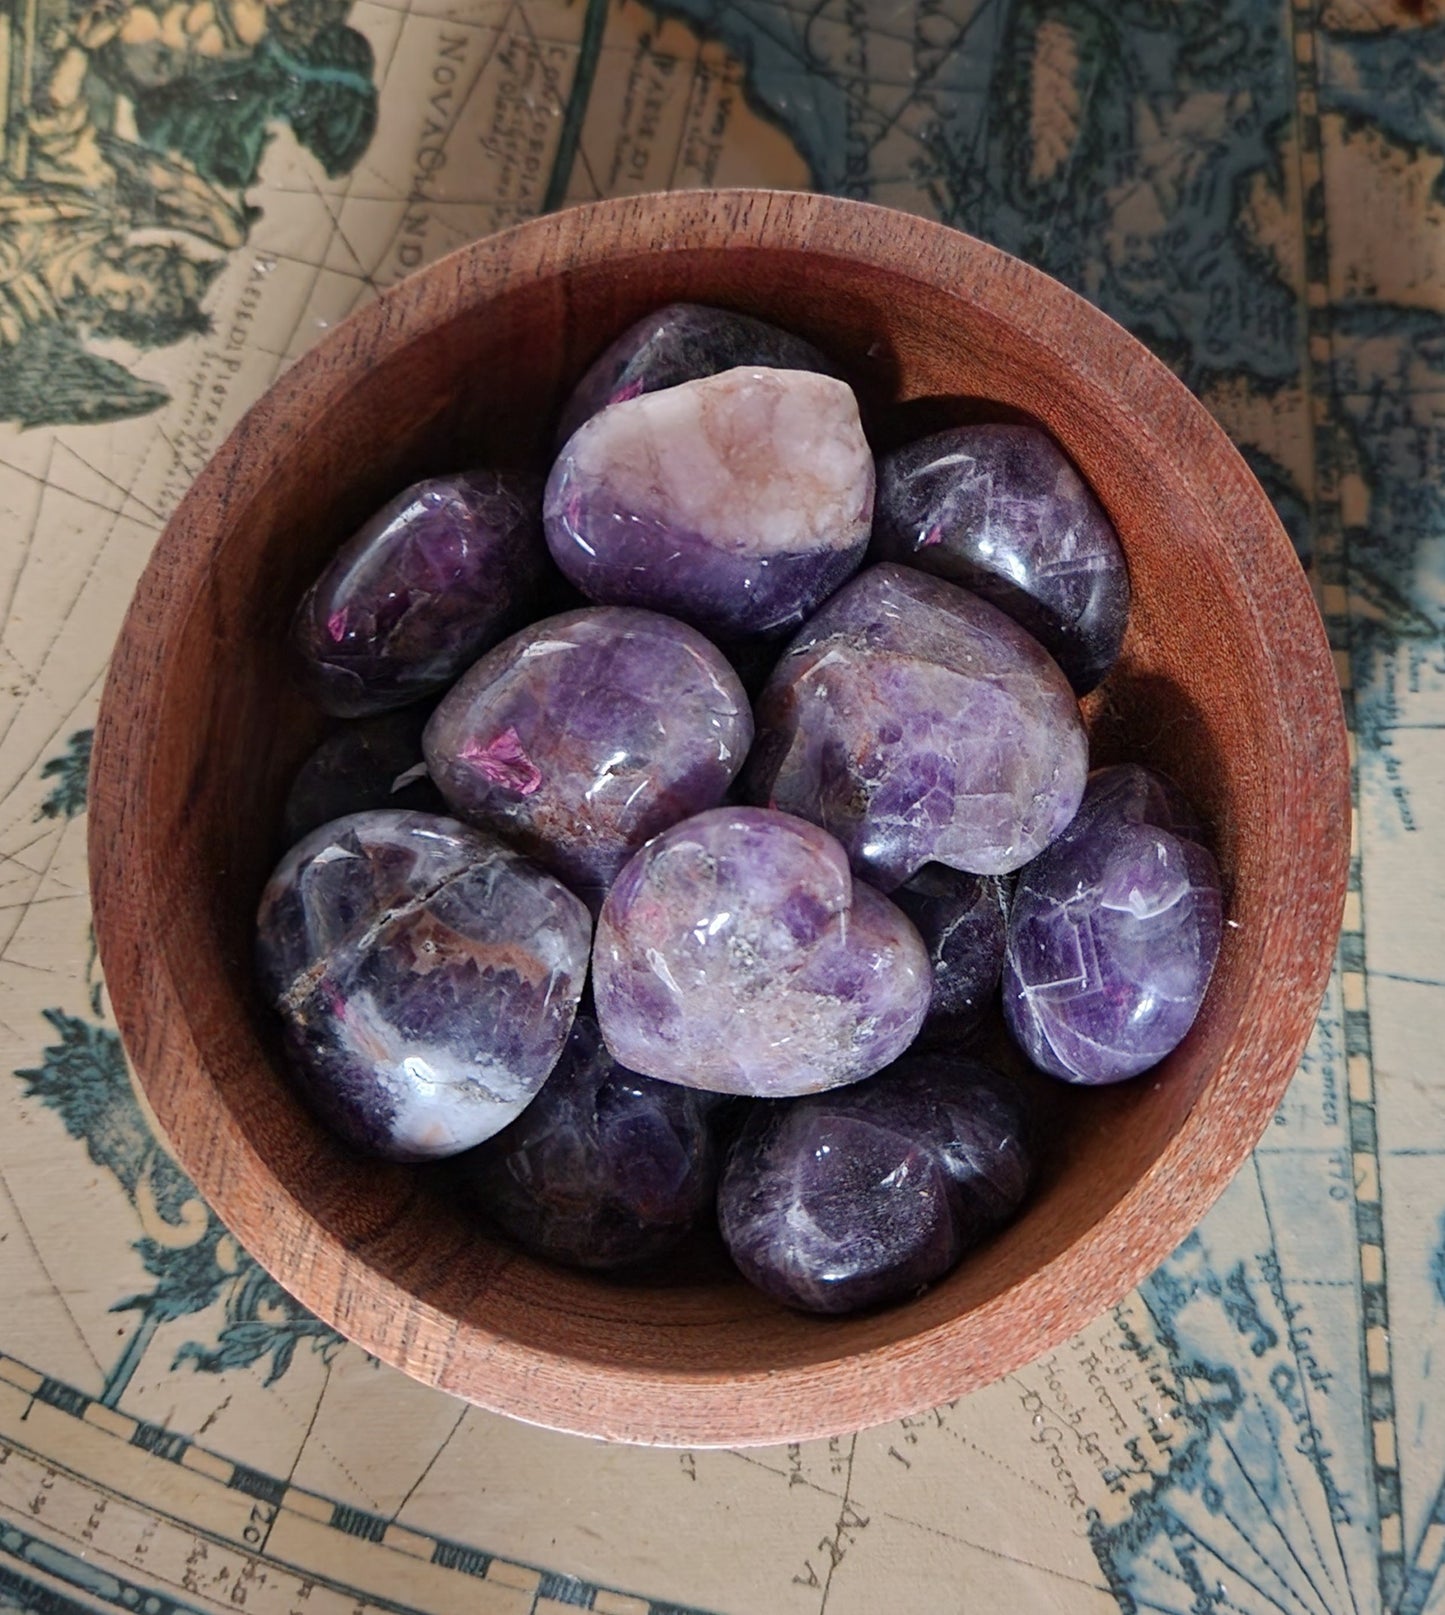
[1226,682]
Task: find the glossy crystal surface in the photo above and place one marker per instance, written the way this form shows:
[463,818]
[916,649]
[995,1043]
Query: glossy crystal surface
[1002,511]
[865,1195]
[1113,933]
[918,723]
[370,763]
[682,342]
[736,502]
[605,1168]
[585,734]
[421,590]
[737,953]
[426,977]
[962,920]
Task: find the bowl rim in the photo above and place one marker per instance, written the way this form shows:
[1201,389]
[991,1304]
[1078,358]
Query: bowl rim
[725,1407]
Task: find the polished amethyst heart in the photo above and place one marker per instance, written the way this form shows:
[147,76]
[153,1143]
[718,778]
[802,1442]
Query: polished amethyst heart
[737,953]
[433,579]
[1002,511]
[583,735]
[1113,933]
[605,1168]
[736,502]
[426,976]
[865,1195]
[371,763]
[918,723]
[682,342]
[962,920]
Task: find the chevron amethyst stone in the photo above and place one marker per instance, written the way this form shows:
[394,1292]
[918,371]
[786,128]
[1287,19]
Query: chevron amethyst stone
[420,591]
[604,1168]
[918,723]
[1002,511]
[736,502]
[426,977]
[371,763]
[683,342]
[962,920]
[736,952]
[865,1195]
[583,735]
[1113,933]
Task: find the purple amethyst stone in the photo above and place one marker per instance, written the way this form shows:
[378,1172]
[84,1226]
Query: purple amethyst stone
[604,1168]
[683,342]
[583,735]
[372,763]
[1001,510]
[427,978]
[736,502]
[736,952]
[962,920]
[918,723]
[432,580]
[866,1195]
[1113,933]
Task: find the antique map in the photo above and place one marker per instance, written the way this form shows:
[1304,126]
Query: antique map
[190,194]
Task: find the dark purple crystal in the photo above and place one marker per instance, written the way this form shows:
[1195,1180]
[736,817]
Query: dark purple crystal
[427,978]
[433,579]
[585,734]
[682,342]
[372,763]
[1002,511]
[918,723]
[605,1168]
[1113,933]
[962,920]
[736,952]
[865,1195]
[735,503]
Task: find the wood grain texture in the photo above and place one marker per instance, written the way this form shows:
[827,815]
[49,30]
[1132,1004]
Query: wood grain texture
[1226,681]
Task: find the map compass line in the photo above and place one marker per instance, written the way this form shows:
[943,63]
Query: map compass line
[1278,1575]
[1427,1561]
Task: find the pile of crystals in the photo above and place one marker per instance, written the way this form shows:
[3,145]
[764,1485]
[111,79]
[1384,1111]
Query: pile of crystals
[564,902]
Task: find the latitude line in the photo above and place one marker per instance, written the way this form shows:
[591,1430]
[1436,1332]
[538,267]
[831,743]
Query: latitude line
[1304,1389]
[215,1535]
[1376,1357]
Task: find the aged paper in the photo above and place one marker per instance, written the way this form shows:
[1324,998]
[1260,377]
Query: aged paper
[190,195]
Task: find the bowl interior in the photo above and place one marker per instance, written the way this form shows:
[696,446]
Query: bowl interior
[469,366]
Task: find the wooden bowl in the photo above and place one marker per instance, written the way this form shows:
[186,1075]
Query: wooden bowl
[1226,682]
